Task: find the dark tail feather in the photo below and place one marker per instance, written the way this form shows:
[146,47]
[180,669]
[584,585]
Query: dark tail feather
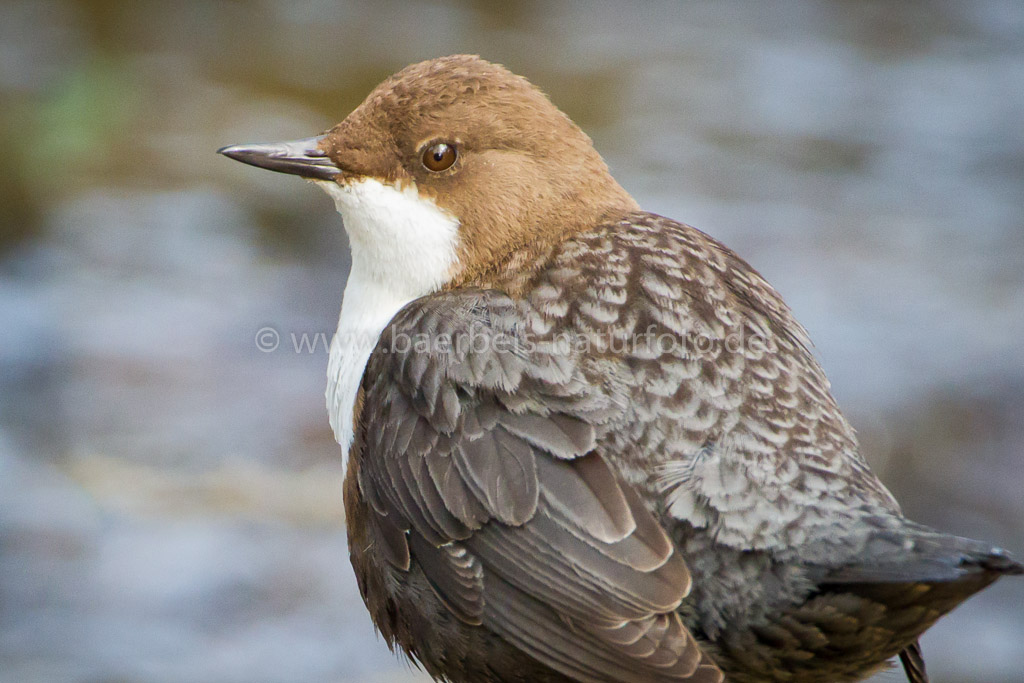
[913,663]
[925,556]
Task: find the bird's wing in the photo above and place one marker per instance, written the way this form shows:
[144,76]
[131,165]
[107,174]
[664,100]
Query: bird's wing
[477,457]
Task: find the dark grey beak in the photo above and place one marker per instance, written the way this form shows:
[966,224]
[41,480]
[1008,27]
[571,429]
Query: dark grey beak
[300,157]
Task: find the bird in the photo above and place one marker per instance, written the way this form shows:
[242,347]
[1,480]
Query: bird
[585,442]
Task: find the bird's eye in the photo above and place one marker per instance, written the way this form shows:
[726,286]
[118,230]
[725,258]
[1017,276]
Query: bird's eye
[439,157]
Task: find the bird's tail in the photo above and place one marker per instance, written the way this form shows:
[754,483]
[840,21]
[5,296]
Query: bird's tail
[917,554]
[919,575]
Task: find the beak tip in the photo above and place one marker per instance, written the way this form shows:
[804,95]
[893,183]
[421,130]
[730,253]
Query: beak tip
[231,151]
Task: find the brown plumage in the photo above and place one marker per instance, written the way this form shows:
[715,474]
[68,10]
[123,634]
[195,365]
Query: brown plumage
[593,444]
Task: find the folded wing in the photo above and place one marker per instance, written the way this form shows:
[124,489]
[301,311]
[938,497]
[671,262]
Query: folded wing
[480,467]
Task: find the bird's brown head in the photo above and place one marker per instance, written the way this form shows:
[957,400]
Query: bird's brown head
[447,167]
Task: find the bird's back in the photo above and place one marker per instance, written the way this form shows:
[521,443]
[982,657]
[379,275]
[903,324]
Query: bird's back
[726,424]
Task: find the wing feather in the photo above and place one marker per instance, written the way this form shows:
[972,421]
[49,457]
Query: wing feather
[481,467]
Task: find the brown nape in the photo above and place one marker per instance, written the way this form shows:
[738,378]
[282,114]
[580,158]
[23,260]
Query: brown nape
[526,176]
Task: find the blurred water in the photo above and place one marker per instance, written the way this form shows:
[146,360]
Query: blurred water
[170,493]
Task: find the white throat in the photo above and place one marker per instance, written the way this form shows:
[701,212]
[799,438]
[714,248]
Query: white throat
[403,247]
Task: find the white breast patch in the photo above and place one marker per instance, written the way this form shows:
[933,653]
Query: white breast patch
[403,247]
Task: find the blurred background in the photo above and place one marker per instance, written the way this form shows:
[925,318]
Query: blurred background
[170,493]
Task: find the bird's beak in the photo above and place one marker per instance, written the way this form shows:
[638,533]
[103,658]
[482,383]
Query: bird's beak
[300,157]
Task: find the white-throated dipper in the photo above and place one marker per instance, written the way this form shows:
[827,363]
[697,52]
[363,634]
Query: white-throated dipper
[586,442]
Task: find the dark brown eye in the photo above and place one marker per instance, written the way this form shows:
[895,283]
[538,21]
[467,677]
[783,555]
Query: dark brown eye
[439,157]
